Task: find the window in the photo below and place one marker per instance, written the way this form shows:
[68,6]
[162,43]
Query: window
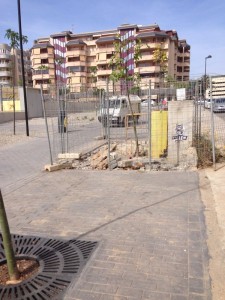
[72,59]
[44,61]
[42,51]
[75,69]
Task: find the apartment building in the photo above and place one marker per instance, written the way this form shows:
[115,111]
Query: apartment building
[10,66]
[218,87]
[82,60]
[5,65]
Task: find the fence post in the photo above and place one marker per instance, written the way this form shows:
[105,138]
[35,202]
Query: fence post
[1,103]
[46,124]
[150,128]
[108,125]
[212,127]
[66,123]
[200,111]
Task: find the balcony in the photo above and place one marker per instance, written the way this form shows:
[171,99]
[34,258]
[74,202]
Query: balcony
[91,63]
[104,72]
[5,82]
[75,52]
[105,49]
[5,73]
[146,57]
[5,56]
[103,62]
[149,45]
[43,55]
[149,69]
[5,65]
[91,52]
[76,63]
[44,86]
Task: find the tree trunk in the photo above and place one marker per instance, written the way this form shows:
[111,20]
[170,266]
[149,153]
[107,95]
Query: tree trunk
[13,91]
[134,123]
[7,242]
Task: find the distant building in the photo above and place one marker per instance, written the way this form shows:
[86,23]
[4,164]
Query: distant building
[83,59]
[10,66]
[218,87]
[5,65]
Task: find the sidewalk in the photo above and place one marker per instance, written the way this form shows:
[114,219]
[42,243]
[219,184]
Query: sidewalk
[213,195]
[150,227]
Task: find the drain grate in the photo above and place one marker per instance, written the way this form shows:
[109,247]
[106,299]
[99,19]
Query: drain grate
[60,261]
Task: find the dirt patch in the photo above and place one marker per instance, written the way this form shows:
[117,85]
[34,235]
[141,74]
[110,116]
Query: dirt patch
[215,239]
[26,268]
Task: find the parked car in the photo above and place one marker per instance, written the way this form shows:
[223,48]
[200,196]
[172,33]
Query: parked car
[145,103]
[219,105]
[201,102]
[208,103]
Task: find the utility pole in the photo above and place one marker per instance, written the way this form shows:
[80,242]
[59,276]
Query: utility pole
[22,63]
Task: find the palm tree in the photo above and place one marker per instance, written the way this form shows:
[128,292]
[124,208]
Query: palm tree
[14,39]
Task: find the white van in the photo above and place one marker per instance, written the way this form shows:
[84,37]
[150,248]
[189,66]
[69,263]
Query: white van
[119,108]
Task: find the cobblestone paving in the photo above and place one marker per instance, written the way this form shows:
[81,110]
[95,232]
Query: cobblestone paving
[150,228]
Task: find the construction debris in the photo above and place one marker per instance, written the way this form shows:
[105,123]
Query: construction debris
[99,160]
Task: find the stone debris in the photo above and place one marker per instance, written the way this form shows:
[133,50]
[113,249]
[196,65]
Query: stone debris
[119,159]
[99,160]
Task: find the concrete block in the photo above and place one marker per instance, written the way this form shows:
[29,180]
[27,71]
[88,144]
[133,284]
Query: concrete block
[125,163]
[113,164]
[57,167]
[69,155]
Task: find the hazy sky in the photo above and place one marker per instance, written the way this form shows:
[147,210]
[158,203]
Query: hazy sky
[200,22]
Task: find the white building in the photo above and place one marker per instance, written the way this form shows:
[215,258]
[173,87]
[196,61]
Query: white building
[5,65]
[218,87]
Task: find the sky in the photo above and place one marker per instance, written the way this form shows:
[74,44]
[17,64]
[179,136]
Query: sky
[200,22]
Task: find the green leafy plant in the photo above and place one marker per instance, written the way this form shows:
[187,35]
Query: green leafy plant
[160,58]
[120,72]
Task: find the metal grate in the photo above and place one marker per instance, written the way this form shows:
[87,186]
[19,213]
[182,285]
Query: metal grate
[59,262]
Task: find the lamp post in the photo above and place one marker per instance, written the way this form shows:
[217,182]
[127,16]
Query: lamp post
[209,56]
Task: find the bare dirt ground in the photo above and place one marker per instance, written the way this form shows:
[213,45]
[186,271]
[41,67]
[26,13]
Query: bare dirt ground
[214,214]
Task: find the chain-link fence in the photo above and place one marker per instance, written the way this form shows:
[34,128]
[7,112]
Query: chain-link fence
[209,128]
[151,126]
[144,126]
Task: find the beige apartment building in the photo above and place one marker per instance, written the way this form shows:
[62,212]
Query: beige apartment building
[10,66]
[5,65]
[218,87]
[82,60]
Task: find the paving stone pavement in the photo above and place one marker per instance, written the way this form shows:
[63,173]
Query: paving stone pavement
[150,228]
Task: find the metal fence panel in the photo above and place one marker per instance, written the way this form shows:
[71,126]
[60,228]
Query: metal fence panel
[169,131]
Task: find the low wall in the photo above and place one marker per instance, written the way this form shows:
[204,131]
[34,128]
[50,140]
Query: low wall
[8,116]
[34,105]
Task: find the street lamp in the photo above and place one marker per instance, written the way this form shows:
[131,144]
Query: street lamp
[209,56]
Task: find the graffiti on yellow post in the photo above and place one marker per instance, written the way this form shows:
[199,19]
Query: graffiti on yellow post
[159,136]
